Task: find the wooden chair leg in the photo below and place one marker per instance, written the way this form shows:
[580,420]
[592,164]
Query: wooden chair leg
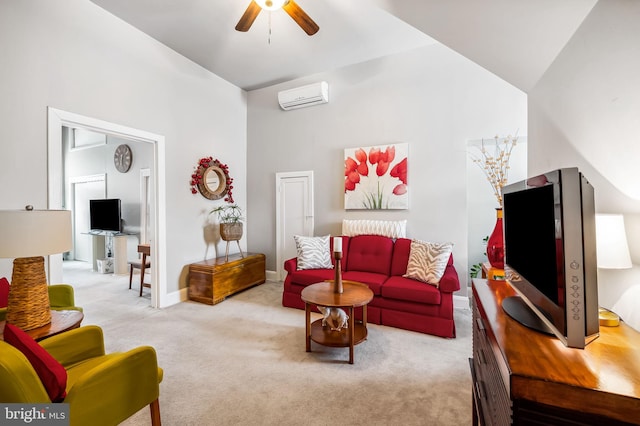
[130,275]
[142,268]
[154,407]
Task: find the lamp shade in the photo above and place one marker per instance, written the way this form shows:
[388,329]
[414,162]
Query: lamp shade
[28,233]
[26,236]
[611,242]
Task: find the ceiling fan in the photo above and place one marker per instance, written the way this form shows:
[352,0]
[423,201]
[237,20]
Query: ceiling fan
[289,6]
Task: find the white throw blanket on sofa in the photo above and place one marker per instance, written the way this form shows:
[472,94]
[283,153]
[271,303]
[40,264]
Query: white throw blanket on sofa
[386,228]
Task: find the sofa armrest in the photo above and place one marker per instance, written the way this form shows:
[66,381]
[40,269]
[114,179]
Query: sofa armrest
[449,281]
[132,377]
[291,265]
[19,382]
[75,345]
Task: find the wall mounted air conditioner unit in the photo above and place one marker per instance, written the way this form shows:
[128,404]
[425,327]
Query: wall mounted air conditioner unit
[300,97]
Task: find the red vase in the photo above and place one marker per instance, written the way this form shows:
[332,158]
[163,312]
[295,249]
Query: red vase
[495,244]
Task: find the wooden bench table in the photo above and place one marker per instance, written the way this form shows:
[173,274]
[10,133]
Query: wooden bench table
[212,280]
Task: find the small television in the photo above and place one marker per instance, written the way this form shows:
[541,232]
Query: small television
[550,255]
[105,215]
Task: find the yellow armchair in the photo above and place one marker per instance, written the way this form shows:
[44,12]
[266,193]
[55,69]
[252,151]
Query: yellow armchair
[102,389]
[62,297]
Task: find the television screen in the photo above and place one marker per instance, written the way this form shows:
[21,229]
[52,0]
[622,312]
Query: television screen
[105,215]
[549,232]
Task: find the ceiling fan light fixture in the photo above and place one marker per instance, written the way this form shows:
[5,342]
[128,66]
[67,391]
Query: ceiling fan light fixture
[290,6]
[271,4]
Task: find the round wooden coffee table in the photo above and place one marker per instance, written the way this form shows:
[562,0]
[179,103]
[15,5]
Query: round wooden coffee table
[60,321]
[354,295]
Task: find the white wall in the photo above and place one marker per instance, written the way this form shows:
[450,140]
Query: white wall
[431,98]
[584,112]
[76,57]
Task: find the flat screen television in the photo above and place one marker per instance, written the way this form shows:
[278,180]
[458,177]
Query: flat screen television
[105,215]
[550,255]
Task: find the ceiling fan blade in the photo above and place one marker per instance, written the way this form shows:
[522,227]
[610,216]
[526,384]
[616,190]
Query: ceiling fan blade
[248,17]
[301,18]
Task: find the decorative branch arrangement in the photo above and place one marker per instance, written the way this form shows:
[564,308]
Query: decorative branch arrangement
[495,166]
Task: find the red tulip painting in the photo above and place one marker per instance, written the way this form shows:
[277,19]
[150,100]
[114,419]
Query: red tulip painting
[375,177]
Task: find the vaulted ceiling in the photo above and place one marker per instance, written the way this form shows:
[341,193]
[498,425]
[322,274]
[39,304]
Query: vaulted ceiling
[515,39]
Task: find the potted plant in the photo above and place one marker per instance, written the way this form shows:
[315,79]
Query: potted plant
[230,217]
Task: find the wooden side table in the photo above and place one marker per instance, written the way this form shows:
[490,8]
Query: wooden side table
[61,321]
[354,295]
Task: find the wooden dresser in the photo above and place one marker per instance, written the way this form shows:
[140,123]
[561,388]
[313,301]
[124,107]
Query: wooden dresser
[212,280]
[524,377]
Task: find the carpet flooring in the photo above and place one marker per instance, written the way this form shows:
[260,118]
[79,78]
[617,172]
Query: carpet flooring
[243,361]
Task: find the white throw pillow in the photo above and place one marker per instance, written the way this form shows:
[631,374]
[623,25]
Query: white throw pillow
[386,228]
[313,252]
[428,261]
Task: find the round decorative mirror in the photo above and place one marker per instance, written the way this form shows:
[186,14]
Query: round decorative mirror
[211,179]
[213,184]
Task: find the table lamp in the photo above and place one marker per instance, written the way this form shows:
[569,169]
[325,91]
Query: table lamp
[613,253]
[26,236]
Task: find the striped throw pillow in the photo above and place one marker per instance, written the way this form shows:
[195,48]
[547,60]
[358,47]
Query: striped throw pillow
[428,261]
[313,252]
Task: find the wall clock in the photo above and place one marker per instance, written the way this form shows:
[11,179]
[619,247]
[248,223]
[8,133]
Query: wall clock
[123,158]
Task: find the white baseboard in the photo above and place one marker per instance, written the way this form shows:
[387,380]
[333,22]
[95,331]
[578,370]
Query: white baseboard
[175,297]
[272,276]
[460,302]
[182,294]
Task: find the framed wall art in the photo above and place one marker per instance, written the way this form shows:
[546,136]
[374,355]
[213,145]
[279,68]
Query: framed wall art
[375,177]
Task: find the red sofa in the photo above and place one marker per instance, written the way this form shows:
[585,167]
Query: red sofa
[399,302]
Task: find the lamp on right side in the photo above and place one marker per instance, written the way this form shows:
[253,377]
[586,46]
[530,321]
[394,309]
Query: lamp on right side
[612,252]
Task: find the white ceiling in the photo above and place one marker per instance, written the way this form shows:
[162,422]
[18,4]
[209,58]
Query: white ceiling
[515,39]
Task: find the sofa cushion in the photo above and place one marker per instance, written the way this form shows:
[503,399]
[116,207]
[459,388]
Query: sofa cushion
[313,252]
[371,279]
[427,261]
[51,373]
[401,288]
[311,276]
[401,250]
[370,253]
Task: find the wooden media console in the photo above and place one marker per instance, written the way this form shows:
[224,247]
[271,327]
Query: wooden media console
[521,376]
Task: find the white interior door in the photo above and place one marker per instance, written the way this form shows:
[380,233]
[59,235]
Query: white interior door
[84,189]
[294,213]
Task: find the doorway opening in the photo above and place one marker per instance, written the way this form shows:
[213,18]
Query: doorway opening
[155,209]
